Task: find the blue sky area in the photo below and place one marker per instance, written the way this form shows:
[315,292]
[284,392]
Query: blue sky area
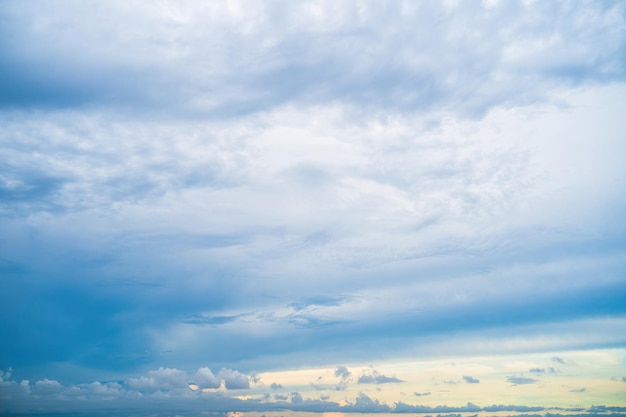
[324,206]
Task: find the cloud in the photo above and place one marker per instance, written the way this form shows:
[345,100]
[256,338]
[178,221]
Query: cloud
[234,379]
[516,408]
[124,400]
[376,378]
[549,370]
[471,380]
[162,379]
[46,387]
[229,72]
[344,375]
[578,390]
[563,361]
[205,378]
[342,372]
[275,385]
[520,380]
[365,404]
[174,188]
[421,394]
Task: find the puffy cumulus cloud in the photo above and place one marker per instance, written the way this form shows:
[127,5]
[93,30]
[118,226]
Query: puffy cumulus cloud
[204,378]
[162,379]
[234,379]
[46,387]
[363,403]
[172,379]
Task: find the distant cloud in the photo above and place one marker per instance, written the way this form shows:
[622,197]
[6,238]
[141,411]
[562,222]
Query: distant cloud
[342,372]
[562,361]
[517,408]
[163,379]
[550,370]
[234,379]
[520,380]
[471,380]
[376,378]
[345,377]
[421,394]
[205,378]
[578,390]
[46,387]
[128,401]
[275,385]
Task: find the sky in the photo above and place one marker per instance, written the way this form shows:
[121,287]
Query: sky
[279,208]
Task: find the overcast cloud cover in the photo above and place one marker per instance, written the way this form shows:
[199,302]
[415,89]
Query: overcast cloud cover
[199,192]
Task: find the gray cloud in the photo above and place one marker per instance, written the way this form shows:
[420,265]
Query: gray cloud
[234,379]
[549,370]
[229,72]
[376,378]
[344,375]
[520,380]
[471,380]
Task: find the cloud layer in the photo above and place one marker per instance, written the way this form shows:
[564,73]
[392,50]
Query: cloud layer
[276,185]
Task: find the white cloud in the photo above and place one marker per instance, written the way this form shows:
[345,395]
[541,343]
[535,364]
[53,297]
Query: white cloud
[46,387]
[162,379]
